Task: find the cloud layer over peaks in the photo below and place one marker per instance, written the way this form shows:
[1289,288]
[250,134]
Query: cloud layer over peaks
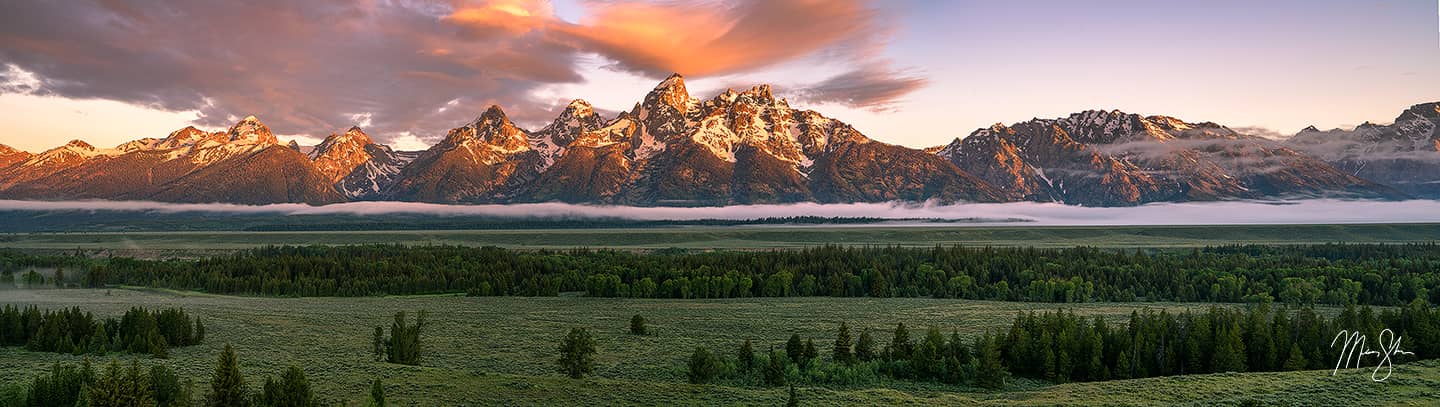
[416,68]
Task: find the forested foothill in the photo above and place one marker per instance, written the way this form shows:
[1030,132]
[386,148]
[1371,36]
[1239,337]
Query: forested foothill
[1330,274]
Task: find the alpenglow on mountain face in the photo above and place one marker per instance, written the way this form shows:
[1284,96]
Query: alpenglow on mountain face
[747,147]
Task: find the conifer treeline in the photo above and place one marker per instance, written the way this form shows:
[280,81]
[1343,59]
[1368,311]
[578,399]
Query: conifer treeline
[69,385]
[1322,274]
[1063,347]
[78,332]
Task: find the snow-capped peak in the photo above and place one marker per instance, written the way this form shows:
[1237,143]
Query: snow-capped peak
[1421,111]
[670,92]
[70,153]
[339,154]
[251,131]
[490,139]
[551,141]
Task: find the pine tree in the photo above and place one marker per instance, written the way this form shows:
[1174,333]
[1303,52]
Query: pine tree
[1196,338]
[199,332]
[637,325]
[166,386]
[377,346]
[865,347]
[928,359]
[577,353]
[1296,359]
[842,352]
[159,349]
[109,389]
[292,390]
[1229,355]
[377,394]
[774,374]
[746,356]
[810,353]
[991,372]
[121,389]
[704,366]
[1123,368]
[794,399]
[795,348]
[404,344]
[900,346]
[99,341]
[227,387]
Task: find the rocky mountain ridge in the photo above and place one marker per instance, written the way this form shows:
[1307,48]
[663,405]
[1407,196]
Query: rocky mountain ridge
[747,147]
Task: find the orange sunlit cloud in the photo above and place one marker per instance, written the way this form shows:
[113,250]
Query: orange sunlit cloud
[692,39]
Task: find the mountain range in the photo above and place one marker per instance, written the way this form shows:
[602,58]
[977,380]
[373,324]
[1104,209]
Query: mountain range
[747,147]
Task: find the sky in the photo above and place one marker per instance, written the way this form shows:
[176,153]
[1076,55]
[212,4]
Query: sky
[915,73]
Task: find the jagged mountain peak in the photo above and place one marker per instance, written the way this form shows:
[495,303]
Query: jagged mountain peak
[493,114]
[352,138]
[143,144]
[577,118]
[579,105]
[251,131]
[577,111]
[7,150]
[339,154]
[671,92]
[1421,111]
[69,154]
[493,126]
[80,144]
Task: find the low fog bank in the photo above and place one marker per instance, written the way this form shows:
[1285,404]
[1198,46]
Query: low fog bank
[1207,213]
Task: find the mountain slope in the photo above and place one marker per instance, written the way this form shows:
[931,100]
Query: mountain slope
[72,154]
[234,166]
[485,161]
[272,175]
[747,147]
[742,148]
[10,156]
[355,165]
[1099,158]
[1404,155]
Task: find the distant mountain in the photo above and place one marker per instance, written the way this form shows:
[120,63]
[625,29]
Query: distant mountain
[740,148]
[746,147]
[488,160]
[1099,158]
[9,156]
[356,166]
[244,164]
[1404,155]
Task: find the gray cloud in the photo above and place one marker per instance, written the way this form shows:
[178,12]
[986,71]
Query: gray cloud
[418,67]
[875,87]
[304,67]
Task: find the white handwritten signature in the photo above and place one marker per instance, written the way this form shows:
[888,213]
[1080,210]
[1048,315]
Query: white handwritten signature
[1354,349]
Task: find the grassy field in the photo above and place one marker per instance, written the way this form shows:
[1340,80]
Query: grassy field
[499,351]
[744,237]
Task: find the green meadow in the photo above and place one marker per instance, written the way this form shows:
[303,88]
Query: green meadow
[501,351]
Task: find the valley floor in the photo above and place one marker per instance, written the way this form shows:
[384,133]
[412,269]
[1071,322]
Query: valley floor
[501,351]
[152,244]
